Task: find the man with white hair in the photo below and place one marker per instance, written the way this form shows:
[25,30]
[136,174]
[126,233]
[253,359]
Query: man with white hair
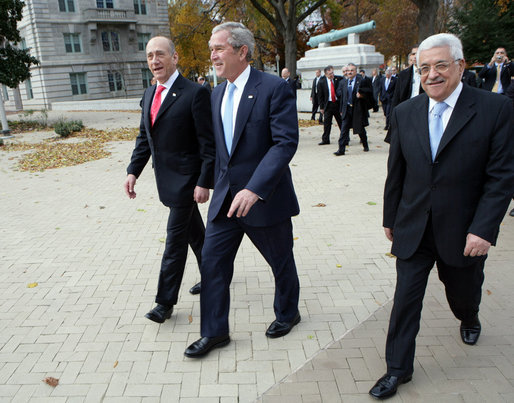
[449,183]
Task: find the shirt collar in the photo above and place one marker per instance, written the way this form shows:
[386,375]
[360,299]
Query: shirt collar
[242,78]
[170,81]
[450,101]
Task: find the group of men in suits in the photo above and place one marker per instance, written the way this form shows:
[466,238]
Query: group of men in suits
[346,98]
[387,88]
[449,183]
[240,147]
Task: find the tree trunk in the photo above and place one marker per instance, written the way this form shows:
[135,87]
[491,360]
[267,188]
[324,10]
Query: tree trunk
[426,18]
[290,51]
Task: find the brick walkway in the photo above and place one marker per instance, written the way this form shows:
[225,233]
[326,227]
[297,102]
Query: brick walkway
[95,257]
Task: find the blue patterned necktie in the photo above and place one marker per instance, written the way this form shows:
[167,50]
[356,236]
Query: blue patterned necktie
[435,126]
[228,117]
[350,92]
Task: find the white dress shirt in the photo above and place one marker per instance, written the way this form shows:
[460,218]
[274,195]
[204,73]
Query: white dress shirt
[168,85]
[240,83]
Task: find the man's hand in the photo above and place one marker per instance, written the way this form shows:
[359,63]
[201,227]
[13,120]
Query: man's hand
[476,246]
[359,95]
[389,233]
[129,184]
[243,202]
[201,195]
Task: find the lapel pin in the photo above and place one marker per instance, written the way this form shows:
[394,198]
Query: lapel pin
[250,96]
[174,94]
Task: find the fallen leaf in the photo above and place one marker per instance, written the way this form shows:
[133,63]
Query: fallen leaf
[295,238]
[86,206]
[488,292]
[162,240]
[32,285]
[339,265]
[115,364]
[372,203]
[51,381]
[388,254]
[142,210]
[320,205]
[190,318]
[101,207]
[310,337]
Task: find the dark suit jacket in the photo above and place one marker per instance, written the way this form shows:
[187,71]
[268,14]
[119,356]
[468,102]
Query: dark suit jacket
[265,140]
[292,84]
[376,86]
[181,142]
[386,96]
[323,90]
[488,75]
[468,187]
[470,78]
[314,93]
[207,85]
[403,88]
[360,105]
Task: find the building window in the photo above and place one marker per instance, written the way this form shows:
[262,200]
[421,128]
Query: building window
[5,93]
[115,81]
[104,4]
[140,6]
[147,77]
[78,83]
[72,43]
[28,89]
[67,6]
[110,41]
[142,40]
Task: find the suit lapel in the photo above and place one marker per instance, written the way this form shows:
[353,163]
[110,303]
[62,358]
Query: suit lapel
[464,110]
[147,106]
[217,97]
[420,120]
[245,105]
[173,94]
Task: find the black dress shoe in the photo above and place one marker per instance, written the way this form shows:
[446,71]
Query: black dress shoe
[470,332]
[338,153]
[279,329]
[387,385]
[160,313]
[366,149]
[205,344]
[196,289]
[322,143]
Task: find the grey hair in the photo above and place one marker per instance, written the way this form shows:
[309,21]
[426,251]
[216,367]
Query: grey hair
[351,65]
[440,41]
[239,36]
[170,43]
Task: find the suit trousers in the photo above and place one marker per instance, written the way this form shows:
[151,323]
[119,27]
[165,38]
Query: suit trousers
[315,106]
[331,110]
[463,286]
[222,239]
[346,125]
[185,226]
[386,106]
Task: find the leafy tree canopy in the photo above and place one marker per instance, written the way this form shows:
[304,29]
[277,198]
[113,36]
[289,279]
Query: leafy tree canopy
[14,63]
[483,26]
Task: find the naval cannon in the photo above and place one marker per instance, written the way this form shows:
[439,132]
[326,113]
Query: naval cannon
[335,35]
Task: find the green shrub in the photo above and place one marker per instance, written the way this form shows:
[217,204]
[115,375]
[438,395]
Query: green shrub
[65,127]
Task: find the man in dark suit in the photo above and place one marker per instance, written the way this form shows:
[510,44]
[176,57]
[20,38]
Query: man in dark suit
[204,83]
[387,87]
[287,76]
[355,95]
[256,131]
[408,85]
[497,73]
[469,77]
[328,102]
[376,81]
[450,178]
[314,97]
[176,131]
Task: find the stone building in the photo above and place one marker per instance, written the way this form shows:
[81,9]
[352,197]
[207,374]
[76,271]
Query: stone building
[88,49]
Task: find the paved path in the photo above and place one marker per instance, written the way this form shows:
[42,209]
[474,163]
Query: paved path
[95,257]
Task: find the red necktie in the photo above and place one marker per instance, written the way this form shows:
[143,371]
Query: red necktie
[156,104]
[332,92]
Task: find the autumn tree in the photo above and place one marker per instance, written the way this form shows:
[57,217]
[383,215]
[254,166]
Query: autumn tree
[482,26]
[427,17]
[286,16]
[191,22]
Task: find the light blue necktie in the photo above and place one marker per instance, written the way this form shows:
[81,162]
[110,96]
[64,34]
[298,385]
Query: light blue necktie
[228,118]
[435,126]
